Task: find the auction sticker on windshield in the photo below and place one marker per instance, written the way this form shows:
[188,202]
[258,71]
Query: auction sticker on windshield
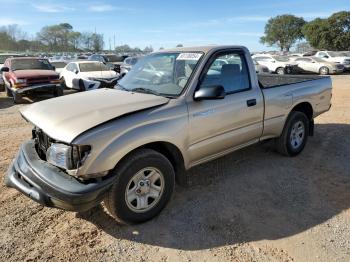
[189,56]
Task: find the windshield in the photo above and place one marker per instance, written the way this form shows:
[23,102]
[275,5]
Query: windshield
[114,58]
[91,67]
[163,73]
[281,58]
[25,64]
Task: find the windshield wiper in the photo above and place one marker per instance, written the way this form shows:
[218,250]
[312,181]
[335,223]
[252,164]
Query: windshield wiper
[120,87]
[145,91]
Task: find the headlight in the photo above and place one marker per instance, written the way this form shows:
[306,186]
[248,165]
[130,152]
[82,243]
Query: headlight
[66,157]
[20,81]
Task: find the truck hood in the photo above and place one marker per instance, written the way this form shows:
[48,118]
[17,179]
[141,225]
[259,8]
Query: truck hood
[66,117]
[34,73]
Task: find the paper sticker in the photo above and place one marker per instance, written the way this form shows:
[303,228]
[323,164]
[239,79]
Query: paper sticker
[189,56]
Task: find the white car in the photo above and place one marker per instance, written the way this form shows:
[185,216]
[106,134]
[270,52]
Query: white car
[88,75]
[276,64]
[260,69]
[318,65]
[336,57]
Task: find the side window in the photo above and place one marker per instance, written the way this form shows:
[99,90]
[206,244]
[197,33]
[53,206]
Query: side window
[232,74]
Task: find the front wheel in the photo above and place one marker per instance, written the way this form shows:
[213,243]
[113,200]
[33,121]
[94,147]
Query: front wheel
[294,135]
[144,185]
[324,70]
[280,71]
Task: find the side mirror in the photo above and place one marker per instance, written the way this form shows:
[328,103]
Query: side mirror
[76,71]
[326,56]
[5,69]
[210,93]
[53,68]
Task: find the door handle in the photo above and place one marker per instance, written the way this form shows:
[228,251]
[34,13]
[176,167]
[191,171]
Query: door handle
[251,102]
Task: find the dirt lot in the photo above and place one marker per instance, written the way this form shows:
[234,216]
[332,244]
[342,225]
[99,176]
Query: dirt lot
[252,205]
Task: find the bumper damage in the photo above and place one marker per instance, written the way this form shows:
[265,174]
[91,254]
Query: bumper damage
[49,185]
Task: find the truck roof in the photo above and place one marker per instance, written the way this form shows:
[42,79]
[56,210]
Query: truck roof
[204,49]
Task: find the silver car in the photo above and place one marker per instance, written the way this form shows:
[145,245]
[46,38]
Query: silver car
[318,65]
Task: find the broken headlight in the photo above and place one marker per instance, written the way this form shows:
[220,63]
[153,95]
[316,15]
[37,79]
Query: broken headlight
[66,156]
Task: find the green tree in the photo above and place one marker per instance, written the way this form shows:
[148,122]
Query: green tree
[332,33]
[283,31]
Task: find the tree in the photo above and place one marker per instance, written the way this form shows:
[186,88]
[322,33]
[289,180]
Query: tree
[332,33]
[283,31]
[148,49]
[97,42]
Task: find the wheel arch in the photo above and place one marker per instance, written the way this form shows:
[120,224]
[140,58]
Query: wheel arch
[306,108]
[171,152]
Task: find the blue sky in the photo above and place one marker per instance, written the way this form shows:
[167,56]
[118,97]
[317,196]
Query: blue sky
[165,23]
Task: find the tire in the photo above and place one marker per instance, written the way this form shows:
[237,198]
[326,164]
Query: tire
[288,143]
[63,83]
[58,91]
[280,71]
[17,98]
[8,91]
[324,70]
[140,164]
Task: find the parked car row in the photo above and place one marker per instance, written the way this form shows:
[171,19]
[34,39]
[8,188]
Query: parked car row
[25,75]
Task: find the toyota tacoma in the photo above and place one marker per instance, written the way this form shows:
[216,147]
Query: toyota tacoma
[174,110]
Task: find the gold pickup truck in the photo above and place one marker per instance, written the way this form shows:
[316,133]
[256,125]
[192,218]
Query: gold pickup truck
[174,110]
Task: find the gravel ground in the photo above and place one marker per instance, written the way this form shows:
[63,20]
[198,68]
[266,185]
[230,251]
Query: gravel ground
[252,205]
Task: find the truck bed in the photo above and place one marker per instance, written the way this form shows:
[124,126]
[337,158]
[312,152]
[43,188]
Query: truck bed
[271,81]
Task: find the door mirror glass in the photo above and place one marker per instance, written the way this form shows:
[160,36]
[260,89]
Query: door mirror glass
[5,69]
[210,93]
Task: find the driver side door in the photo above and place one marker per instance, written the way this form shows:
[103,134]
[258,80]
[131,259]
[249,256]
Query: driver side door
[219,126]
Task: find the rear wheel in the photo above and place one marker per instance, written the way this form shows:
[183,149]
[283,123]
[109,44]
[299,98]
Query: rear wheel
[324,70]
[294,135]
[280,71]
[144,185]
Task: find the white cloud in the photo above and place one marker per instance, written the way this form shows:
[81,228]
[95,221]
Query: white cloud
[10,21]
[48,8]
[254,18]
[101,8]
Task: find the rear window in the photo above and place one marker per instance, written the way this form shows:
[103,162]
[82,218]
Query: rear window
[27,64]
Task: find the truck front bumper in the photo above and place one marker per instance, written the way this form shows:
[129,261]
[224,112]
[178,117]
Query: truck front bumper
[21,90]
[49,185]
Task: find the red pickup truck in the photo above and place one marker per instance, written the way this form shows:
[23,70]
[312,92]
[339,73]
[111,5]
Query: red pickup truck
[23,75]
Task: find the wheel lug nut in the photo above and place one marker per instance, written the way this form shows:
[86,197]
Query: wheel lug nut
[138,191]
[141,184]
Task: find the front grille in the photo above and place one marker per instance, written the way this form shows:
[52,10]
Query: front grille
[340,66]
[46,79]
[42,142]
[347,61]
